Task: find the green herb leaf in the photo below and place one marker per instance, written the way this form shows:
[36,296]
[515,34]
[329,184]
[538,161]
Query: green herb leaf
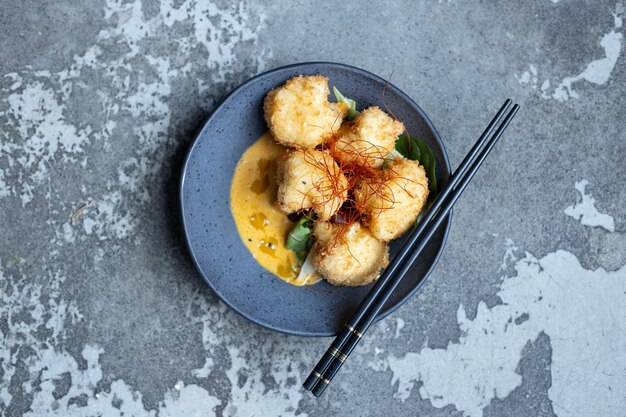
[388,160]
[300,238]
[414,148]
[352,111]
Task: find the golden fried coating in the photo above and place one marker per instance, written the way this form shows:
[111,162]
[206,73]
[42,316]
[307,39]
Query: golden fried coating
[308,178]
[393,200]
[353,258]
[369,139]
[299,113]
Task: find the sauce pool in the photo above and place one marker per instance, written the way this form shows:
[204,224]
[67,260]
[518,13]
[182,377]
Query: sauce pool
[262,227]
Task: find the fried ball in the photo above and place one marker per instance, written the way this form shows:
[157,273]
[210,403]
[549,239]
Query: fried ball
[308,178]
[347,255]
[369,139]
[299,113]
[393,199]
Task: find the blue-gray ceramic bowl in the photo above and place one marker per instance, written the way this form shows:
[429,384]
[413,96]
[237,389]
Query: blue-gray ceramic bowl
[216,248]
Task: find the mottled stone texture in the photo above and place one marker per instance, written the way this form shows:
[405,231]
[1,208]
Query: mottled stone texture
[103,314]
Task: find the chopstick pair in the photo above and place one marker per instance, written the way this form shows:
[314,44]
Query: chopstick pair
[368,310]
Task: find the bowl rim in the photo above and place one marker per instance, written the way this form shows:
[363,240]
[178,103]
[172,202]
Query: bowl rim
[190,150]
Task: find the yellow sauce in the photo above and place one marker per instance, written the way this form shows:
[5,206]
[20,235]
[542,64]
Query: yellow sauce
[262,227]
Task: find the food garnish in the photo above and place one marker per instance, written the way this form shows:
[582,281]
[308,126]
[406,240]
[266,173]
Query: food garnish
[416,149]
[352,111]
[300,239]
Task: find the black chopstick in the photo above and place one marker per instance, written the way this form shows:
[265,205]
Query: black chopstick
[371,306]
[348,329]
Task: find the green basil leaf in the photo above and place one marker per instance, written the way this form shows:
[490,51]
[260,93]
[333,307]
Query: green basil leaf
[402,146]
[388,160]
[300,238]
[414,148]
[352,111]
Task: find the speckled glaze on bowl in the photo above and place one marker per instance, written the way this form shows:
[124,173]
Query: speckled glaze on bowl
[216,248]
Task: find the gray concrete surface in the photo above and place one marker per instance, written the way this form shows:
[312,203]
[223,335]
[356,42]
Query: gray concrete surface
[105,316]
